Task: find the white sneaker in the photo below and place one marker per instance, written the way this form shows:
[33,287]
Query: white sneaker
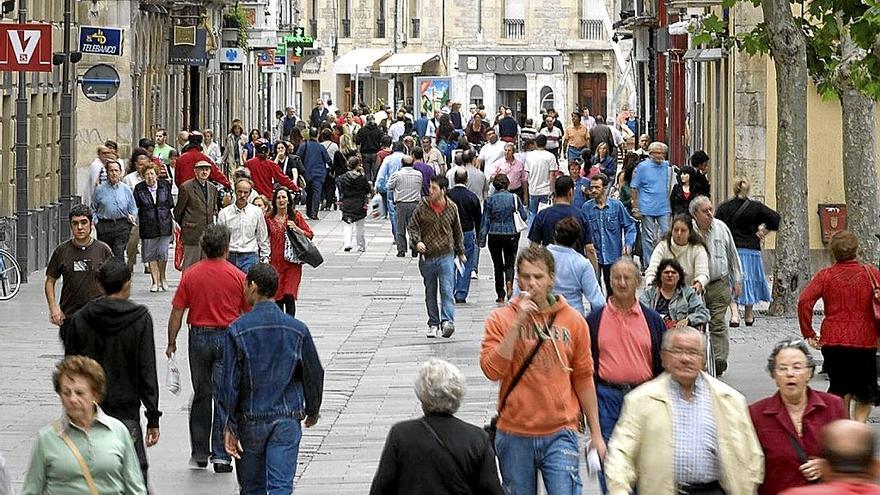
[154,288]
[433,332]
[474,276]
[447,328]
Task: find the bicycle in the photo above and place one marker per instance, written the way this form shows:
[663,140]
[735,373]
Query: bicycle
[10,276]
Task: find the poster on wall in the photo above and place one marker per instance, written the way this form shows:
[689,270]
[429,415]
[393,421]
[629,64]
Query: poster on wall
[432,93]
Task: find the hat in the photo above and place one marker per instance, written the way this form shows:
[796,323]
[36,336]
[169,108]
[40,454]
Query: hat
[203,164]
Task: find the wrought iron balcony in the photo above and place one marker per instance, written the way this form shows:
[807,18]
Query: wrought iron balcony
[592,29]
[514,29]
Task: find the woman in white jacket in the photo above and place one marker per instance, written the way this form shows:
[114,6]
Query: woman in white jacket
[683,244]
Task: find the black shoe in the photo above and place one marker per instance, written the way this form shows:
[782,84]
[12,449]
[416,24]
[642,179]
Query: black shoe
[733,324]
[222,468]
[460,301]
[749,323]
[314,218]
[401,255]
[347,250]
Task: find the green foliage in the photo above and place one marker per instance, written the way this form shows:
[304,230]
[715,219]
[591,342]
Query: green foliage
[234,18]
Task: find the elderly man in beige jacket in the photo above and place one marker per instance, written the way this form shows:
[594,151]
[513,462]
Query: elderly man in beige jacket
[684,432]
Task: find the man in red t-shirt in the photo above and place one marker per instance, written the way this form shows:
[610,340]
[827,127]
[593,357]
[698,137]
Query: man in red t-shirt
[850,466]
[213,292]
[192,154]
[265,172]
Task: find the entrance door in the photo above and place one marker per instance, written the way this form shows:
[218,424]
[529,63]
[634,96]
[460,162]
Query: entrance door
[517,103]
[592,93]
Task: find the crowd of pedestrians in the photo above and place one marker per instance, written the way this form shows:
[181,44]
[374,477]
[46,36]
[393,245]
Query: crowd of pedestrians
[612,320]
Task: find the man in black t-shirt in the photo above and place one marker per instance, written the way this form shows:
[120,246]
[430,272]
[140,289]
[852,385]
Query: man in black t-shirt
[543,229]
[76,261]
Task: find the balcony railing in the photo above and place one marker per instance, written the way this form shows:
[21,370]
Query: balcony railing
[380,28]
[346,28]
[592,29]
[313,28]
[514,29]
[416,28]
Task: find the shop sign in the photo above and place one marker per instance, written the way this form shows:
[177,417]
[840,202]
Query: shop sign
[510,64]
[188,46]
[100,40]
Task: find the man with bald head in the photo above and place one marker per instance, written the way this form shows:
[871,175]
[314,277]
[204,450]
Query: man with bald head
[850,464]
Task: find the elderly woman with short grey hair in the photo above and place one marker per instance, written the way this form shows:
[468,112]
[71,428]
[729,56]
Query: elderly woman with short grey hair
[437,453]
[790,422]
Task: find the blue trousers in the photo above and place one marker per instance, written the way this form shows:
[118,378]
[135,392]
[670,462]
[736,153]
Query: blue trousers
[243,261]
[463,280]
[557,456]
[206,370]
[534,201]
[610,402]
[392,215]
[438,275]
[268,463]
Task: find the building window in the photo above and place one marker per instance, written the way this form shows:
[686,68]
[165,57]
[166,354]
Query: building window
[592,29]
[415,30]
[313,18]
[514,22]
[546,97]
[345,11]
[380,18]
[476,95]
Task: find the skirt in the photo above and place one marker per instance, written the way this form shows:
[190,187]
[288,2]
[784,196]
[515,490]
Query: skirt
[852,371]
[155,249]
[754,283]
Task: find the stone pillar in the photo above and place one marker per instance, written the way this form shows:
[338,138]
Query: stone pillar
[749,109]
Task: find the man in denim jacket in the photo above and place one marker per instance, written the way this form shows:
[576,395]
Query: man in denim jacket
[273,380]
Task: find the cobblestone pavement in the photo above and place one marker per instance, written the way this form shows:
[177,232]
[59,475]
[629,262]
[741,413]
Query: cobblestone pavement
[367,315]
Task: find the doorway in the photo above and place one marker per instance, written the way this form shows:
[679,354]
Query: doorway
[516,102]
[592,93]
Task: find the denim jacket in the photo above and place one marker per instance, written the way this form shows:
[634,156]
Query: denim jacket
[612,228]
[271,368]
[498,214]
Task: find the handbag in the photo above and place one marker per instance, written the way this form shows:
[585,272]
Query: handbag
[178,250]
[290,255]
[93,490]
[875,301]
[305,249]
[520,224]
[492,427]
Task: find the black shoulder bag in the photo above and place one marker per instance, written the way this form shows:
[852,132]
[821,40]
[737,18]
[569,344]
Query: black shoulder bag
[491,428]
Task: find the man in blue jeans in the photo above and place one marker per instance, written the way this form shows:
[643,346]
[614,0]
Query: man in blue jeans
[651,184]
[435,231]
[273,380]
[208,318]
[469,215]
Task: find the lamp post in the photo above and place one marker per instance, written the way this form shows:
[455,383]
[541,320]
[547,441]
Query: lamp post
[22,228]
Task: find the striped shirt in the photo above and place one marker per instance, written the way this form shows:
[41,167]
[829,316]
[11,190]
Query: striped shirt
[406,184]
[694,435]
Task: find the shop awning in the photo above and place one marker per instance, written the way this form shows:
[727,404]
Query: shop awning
[406,63]
[359,60]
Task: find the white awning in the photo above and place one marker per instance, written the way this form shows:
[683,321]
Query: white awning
[406,63]
[359,60]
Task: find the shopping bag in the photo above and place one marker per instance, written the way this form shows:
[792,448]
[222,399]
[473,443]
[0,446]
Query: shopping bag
[305,249]
[178,250]
[377,206]
[172,377]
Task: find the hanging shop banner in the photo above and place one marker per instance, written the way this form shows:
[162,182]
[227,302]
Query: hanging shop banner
[100,40]
[25,47]
[188,46]
[265,57]
[232,59]
[433,93]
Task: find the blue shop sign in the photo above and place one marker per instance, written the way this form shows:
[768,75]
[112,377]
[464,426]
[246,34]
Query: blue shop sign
[100,40]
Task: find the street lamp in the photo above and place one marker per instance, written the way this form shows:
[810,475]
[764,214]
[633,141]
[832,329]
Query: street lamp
[66,58]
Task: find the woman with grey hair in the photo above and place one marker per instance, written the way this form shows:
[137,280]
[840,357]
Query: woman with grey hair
[790,422]
[437,453]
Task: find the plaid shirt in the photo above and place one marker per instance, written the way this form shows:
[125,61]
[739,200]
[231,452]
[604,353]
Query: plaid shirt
[694,435]
[440,233]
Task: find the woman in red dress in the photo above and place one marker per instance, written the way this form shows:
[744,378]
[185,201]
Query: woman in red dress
[281,217]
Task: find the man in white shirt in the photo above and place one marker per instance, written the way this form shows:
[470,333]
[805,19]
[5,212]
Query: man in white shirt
[491,152]
[398,128]
[97,173]
[476,179]
[249,243]
[541,166]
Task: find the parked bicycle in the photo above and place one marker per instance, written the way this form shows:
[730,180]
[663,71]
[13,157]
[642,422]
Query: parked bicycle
[10,276]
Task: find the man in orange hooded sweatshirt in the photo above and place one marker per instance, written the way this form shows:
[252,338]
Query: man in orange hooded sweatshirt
[538,418]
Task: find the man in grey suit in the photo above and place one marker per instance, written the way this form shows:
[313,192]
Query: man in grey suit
[195,210]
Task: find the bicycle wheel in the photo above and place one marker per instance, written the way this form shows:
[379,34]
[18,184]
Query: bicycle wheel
[10,276]
[710,358]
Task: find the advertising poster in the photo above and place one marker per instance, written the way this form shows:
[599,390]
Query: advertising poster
[432,94]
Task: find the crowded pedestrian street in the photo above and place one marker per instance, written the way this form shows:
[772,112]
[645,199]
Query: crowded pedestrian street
[365,311]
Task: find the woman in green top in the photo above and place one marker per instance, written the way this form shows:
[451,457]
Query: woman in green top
[104,443]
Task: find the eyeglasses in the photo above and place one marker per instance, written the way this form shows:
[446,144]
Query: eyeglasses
[677,351]
[797,369]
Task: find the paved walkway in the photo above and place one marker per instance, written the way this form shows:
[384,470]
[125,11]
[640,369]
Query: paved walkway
[367,315]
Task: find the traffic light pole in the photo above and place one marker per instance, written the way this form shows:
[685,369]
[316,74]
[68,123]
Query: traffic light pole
[66,189]
[22,229]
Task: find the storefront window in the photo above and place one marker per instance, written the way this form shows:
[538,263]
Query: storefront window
[546,98]
[476,95]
